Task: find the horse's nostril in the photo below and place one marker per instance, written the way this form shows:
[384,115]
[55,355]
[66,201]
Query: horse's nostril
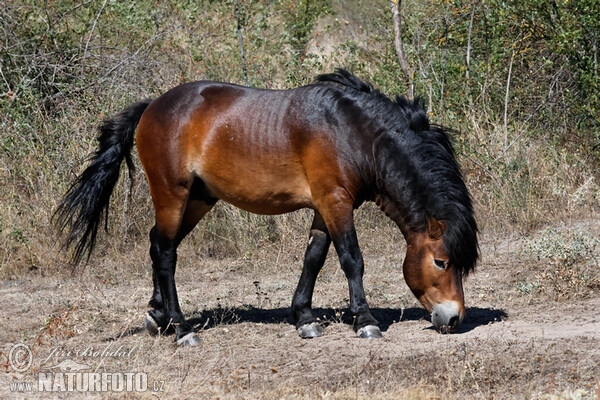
[453,323]
[446,316]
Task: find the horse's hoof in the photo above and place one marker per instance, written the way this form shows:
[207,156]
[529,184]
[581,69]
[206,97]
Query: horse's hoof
[369,332]
[191,339]
[151,325]
[314,329]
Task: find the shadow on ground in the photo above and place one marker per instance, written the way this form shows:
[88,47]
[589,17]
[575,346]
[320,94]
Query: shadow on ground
[386,316]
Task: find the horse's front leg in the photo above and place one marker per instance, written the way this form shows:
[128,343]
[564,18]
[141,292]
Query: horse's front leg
[314,258]
[338,215]
[352,264]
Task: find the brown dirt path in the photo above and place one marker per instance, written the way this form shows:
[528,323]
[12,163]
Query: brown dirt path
[513,344]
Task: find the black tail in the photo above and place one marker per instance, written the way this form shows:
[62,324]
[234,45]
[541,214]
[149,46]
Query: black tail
[88,197]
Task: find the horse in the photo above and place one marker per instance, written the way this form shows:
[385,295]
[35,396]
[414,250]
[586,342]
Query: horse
[329,146]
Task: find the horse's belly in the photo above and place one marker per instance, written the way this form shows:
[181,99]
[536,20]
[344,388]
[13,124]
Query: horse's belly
[259,190]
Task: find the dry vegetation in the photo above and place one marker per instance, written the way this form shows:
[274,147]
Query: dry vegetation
[533,328]
[515,343]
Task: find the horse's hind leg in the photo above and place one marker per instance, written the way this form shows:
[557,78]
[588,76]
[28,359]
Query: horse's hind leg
[314,258]
[156,301]
[173,222]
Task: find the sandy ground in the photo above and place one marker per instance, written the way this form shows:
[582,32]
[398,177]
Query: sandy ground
[514,343]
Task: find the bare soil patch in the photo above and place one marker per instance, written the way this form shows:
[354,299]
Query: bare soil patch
[518,341]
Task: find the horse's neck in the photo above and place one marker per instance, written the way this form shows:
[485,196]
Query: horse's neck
[394,212]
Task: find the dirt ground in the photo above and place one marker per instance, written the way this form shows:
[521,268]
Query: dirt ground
[524,337]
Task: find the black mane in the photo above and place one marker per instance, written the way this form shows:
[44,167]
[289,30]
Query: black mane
[345,78]
[377,105]
[416,164]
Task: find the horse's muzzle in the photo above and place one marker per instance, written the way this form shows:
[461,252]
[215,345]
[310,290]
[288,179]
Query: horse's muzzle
[446,316]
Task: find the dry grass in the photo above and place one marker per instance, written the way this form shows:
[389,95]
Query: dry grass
[509,347]
[565,261]
[533,326]
[45,141]
[530,185]
[532,331]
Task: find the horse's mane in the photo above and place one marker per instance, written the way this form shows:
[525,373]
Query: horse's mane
[427,159]
[346,79]
[379,103]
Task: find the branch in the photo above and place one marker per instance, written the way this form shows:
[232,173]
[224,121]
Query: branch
[87,43]
[408,72]
[241,40]
[423,73]
[73,9]
[468,61]
[512,58]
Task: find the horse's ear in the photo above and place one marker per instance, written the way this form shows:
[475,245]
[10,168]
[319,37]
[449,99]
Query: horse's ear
[436,228]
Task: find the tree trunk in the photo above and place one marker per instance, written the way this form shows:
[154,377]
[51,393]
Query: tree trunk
[241,40]
[512,58]
[406,69]
[468,60]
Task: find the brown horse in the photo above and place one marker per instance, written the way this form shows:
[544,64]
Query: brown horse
[329,146]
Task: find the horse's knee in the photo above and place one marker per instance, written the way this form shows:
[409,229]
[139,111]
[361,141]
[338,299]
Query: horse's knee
[318,237]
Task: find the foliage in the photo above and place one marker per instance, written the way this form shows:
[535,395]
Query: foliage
[565,248]
[569,260]
[67,64]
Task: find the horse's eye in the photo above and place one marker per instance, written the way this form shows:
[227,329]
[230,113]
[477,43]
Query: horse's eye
[441,264]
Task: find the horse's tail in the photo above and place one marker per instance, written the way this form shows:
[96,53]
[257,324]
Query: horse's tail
[88,197]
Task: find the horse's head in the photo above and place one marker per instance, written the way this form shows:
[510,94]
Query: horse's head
[420,187]
[433,278]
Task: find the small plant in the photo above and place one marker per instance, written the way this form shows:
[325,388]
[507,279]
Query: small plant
[528,287]
[564,248]
[571,259]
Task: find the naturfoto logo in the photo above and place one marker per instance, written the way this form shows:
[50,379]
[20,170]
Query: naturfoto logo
[60,372]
